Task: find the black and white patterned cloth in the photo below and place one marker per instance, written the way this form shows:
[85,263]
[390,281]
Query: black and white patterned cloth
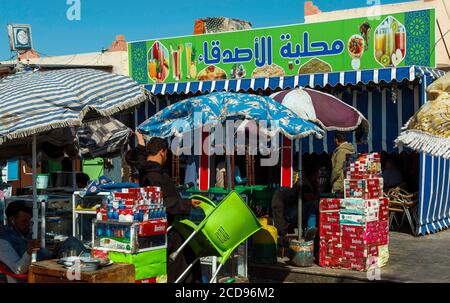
[102,138]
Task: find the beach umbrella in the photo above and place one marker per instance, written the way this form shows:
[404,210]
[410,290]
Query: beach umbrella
[35,102]
[329,112]
[215,108]
[429,129]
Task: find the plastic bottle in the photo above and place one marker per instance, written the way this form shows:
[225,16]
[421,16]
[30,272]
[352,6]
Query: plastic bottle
[110,213]
[156,212]
[99,230]
[33,256]
[312,221]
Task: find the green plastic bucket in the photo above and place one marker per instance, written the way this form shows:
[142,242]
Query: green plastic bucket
[42,181]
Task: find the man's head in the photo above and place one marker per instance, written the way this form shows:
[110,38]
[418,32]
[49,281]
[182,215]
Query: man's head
[19,216]
[156,150]
[339,138]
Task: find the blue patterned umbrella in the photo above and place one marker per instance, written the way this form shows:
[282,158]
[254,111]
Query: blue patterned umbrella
[216,108]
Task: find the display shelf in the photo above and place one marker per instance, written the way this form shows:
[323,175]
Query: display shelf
[78,214]
[129,237]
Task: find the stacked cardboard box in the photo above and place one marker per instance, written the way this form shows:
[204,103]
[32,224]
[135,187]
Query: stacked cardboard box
[363,188]
[364,166]
[354,231]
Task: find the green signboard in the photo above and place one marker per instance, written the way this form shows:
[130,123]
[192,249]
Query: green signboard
[400,39]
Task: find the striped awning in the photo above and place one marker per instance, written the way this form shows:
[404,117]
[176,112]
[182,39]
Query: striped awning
[376,76]
[434,195]
[33,102]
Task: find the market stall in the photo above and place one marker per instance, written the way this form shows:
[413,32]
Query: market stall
[37,106]
[432,139]
[371,65]
[191,117]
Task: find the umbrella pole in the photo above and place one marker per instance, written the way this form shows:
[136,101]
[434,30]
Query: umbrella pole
[74,175]
[300,177]
[34,169]
[228,164]
[229,177]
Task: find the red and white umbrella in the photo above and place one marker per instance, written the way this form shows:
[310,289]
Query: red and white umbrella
[322,108]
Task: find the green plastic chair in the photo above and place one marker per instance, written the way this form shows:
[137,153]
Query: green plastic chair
[225,226]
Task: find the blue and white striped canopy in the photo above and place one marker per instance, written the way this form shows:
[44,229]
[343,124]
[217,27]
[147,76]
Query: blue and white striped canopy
[35,102]
[319,80]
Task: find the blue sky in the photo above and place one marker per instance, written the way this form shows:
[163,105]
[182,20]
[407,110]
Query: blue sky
[101,20]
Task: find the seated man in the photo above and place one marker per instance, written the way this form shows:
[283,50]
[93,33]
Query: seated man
[285,203]
[16,245]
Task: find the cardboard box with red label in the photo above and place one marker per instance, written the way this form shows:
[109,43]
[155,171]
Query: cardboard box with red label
[329,217]
[152,228]
[363,188]
[333,204]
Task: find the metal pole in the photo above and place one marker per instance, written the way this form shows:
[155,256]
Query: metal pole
[229,177]
[74,175]
[35,206]
[186,271]
[300,203]
[215,271]
[75,216]
[43,228]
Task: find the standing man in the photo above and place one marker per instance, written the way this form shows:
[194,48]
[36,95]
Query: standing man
[343,148]
[149,159]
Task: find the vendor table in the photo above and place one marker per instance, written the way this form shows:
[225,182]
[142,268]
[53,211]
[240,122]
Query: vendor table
[51,272]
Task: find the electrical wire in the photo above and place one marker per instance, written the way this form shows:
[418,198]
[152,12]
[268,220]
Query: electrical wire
[435,45]
[95,60]
[446,10]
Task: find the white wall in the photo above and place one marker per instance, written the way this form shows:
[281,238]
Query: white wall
[118,60]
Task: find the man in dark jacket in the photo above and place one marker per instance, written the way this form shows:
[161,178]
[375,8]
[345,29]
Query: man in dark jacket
[149,160]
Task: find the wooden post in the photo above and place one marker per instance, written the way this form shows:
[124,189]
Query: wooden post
[176,169]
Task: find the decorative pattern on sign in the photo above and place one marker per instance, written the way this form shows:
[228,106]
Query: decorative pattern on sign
[418,38]
[138,69]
